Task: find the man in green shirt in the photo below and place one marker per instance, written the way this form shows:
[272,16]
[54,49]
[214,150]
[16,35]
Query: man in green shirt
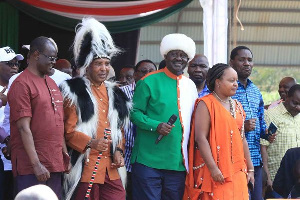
[158,170]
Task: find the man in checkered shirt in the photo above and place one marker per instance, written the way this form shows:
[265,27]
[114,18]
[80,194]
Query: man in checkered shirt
[287,119]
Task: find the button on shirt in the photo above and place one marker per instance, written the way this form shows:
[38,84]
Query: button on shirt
[288,136]
[252,102]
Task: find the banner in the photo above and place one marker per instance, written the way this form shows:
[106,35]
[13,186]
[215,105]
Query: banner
[118,16]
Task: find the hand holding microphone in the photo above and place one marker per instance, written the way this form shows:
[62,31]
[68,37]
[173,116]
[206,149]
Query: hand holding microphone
[165,128]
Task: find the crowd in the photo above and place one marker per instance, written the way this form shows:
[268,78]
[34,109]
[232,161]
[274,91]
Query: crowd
[152,134]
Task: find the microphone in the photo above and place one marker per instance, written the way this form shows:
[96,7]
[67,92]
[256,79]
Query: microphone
[171,121]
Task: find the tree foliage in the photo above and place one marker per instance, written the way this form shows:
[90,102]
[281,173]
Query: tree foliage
[267,80]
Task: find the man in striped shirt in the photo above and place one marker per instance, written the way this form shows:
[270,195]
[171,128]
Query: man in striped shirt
[141,69]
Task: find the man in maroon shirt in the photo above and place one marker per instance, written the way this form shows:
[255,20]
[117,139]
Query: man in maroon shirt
[36,116]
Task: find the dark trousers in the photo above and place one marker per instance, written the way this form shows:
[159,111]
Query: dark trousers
[156,184]
[8,185]
[272,195]
[256,194]
[26,181]
[129,187]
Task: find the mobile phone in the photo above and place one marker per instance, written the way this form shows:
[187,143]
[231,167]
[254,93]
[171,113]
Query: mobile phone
[250,186]
[272,129]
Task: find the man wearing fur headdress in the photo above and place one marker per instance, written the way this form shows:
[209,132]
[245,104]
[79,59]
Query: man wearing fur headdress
[90,105]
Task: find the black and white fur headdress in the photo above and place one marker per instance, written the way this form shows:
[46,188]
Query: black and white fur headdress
[92,40]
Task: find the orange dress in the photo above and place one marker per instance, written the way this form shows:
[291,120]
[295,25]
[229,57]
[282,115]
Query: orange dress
[226,143]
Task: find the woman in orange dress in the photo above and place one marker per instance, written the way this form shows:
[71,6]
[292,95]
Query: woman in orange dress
[220,166]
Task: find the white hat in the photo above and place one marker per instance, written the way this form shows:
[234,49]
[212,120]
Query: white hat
[178,41]
[7,54]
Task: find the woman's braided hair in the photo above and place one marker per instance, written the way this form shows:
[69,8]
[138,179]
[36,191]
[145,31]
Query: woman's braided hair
[215,73]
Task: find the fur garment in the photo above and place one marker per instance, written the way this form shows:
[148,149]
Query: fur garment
[79,93]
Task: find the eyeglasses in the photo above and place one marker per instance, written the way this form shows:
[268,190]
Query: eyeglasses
[12,64]
[50,58]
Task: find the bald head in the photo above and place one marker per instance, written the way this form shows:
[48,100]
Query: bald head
[198,68]
[284,86]
[42,56]
[37,192]
[41,43]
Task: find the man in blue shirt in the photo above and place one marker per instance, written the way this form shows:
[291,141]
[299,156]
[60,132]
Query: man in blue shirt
[241,59]
[197,70]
